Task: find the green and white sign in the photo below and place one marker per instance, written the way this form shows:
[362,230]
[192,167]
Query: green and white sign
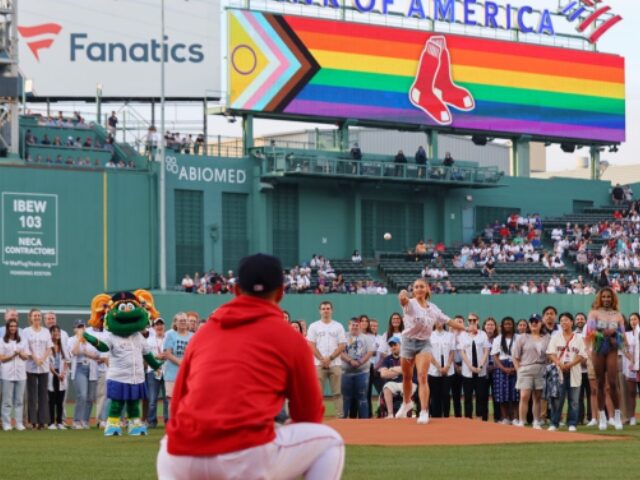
[29,233]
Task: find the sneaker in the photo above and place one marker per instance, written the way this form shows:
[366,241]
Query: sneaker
[423,419]
[404,410]
[552,428]
[592,423]
[572,429]
[633,421]
[562,424]
[20,427]
[617,421]
[102,425]
[76,426]
[112,430]
[602,424]
[52,427]
[518,423]
[137,429]
[505,421]
[537,425]
[61,426]
[7,428]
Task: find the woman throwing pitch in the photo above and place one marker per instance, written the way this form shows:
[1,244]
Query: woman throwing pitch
[605,332]
[420,317]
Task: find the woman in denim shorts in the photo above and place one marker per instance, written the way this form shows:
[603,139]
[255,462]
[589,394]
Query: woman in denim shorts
[420,317]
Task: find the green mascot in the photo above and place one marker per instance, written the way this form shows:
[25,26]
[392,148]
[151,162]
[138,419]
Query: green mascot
[124,315]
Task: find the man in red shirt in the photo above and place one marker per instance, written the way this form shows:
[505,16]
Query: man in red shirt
[233,380]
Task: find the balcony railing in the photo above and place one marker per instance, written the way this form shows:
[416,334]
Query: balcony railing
[279,163]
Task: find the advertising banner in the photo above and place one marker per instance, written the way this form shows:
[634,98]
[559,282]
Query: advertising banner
[303,67]
[69,48]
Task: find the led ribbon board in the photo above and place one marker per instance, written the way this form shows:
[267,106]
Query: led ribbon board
[325,69]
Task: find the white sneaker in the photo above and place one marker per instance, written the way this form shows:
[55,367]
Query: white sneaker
[52,427]
[633,421]
[7,428]
[103,425]
[562,424]
[20,427]
[85,426]
[592,423]
[573,429]
[423,419]
[537,425]
[505,421]
[602,424]
[518,423]
[617,420]
[76,426]
[61,426]
[404,410]
[552,428]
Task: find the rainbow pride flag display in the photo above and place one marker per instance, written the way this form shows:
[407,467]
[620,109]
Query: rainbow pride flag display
[331,70]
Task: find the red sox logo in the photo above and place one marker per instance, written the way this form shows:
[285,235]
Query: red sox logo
[38,37]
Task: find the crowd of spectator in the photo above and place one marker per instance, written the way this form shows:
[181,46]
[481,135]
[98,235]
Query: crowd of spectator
[43,362]
[176,142]
[488,362]
[208,283]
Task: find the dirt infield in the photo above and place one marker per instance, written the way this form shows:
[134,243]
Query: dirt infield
[449,431]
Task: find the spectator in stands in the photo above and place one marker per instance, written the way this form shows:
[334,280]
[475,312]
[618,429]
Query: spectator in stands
[617,195]
[111,164]
[356,154]
[355,365]
[485,290]
[199,145]
[474,347]
[399,160]
[448,160]
[88,143]
[529,359]
[421,161]
[187,283]
[356,257]
[39,343]
[30,138]
[112,124]
[327,340]
[14,352]
[59,159]
[57,142]
[489,268]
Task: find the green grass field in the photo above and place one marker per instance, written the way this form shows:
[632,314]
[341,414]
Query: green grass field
[86,454]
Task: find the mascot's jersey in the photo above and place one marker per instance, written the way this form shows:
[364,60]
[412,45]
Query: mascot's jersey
[126,364]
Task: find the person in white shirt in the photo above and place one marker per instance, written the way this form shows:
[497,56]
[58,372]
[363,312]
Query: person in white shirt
[155,378]
[14,352]
[631,364]
[84,375]
[420,317]
[102,403]
[39,340]
[441,370]
[566,350]
[474,347]
[327,340]
[504,376]
[58,379]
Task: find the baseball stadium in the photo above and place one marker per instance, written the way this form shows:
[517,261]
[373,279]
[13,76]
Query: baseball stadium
[320,239]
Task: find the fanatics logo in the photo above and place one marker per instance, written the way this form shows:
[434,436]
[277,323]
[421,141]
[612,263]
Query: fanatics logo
[39,37]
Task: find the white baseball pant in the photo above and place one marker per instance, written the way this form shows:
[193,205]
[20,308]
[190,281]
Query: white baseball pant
[312,450]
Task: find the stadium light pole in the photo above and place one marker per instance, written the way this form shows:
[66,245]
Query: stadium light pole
[162,179]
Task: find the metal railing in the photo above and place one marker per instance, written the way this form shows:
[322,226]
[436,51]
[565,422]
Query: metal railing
[279,162]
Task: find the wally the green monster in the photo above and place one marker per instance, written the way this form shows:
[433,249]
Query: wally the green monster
[126,315]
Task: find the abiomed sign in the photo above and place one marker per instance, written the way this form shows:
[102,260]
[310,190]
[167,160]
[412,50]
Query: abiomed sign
[29,233]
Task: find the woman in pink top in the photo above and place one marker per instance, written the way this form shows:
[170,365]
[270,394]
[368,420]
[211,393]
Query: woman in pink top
[420,317]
